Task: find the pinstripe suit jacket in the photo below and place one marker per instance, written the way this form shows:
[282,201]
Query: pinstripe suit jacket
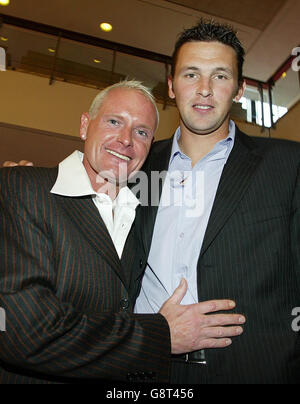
[66,293]
[250,253]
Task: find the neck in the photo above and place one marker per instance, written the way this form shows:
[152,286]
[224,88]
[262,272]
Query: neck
[197,146]
[99,184]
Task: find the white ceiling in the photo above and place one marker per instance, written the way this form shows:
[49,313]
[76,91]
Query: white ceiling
[269,33]
[240,12]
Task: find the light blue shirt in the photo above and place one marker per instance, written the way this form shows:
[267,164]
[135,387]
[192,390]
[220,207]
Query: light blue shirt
[186,202]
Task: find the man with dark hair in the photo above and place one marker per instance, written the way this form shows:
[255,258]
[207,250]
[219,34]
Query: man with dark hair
[211,32]
[236,232]
[68,253]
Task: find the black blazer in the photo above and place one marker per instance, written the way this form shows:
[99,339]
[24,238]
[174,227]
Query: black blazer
[67,296]
[250,253]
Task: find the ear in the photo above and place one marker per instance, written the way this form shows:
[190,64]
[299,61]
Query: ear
[241,92]
[84,124]
[170,85]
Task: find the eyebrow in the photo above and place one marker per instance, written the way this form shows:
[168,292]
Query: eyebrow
[121,118]
[146,127]
[224,69]
[215,70]
[112,115]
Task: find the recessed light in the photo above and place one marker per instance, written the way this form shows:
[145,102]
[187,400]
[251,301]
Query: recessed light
[4,2]
[106,27]
[97,60]
[3,39]
[51,50]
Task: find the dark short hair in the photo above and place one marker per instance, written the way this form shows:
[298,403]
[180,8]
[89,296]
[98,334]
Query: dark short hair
[212,31]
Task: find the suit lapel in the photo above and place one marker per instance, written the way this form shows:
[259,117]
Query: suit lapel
[84,214]
[158,162]
[240,167]
[131,261]
[234,181]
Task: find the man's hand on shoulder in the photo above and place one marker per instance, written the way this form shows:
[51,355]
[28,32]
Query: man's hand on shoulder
[193,327]
[22,163]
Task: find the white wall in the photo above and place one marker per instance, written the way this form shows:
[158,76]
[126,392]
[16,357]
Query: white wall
[29,101]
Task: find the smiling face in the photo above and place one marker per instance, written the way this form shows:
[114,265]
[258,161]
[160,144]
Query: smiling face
[204,85]
[118,140]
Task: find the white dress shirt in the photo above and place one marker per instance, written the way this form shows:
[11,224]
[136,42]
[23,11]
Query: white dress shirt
[179,229]
[118,215]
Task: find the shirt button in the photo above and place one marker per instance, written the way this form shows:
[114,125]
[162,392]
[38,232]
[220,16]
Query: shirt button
[124,304]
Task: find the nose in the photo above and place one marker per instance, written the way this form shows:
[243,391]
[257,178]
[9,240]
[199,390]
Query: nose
[125,137]
[205,87]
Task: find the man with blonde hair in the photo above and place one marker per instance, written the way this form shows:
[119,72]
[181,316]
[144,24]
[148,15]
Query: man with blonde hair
[67,252]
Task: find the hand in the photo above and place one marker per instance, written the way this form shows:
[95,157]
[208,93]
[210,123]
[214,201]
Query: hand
[20,163]
[191,327]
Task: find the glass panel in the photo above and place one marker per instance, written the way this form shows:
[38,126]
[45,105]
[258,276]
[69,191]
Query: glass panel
[27,50]
[284,96]
[151,73]
[249,102]
[85,64]
[286,90]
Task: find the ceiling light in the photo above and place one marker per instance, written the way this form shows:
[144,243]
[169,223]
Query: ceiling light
[106,27]
[4,2]
[51,50]
[97,61]
[3,39]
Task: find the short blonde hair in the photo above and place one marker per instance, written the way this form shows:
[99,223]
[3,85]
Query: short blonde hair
[127,84]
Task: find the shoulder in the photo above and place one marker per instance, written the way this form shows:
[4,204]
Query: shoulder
[18,179]
[159,156]
[160,152]
[161,145]
[270,146]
